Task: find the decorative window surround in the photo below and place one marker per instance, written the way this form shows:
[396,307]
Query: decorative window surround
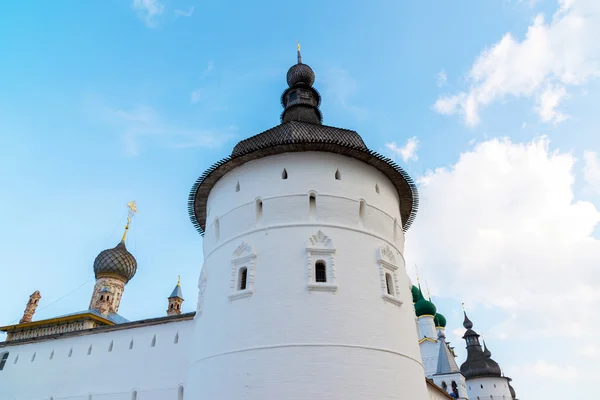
[243,256]
[201,291]
[320,247]
[387,264]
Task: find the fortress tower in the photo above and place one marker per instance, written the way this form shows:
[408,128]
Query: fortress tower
[303,292]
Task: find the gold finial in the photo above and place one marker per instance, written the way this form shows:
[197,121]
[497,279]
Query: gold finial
[178,280]
[463,306]
[428,293]
[298,45]
[132,210]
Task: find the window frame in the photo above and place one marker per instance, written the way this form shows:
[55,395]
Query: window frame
[387,265]
[243,256]
[320,248]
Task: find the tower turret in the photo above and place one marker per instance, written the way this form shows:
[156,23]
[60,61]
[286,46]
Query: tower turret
[303,264]
[31,306]
[175,300]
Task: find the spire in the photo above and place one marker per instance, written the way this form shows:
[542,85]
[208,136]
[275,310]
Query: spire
[132,210]
[299,55]
[175,299]
[446,362]
[467,322]
[486,352]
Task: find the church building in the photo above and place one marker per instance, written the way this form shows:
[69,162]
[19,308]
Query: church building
[302,292]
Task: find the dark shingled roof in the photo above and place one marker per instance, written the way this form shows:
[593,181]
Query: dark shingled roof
[296,136]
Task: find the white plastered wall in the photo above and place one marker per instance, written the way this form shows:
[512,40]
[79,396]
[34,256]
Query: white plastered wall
[63,369]
[488,388]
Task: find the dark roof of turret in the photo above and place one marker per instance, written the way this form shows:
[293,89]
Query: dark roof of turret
[301,130]
[479,362]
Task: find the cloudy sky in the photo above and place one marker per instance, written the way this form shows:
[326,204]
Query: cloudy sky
[492,106]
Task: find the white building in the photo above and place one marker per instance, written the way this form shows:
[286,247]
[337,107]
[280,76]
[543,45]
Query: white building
[303,293]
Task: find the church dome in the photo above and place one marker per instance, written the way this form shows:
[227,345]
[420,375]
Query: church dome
[300,73]
[424,307]
[416,294]
[116,261]
[440,320]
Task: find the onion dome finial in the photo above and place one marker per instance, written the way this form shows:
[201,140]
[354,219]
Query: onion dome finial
[439,320]
[300,100]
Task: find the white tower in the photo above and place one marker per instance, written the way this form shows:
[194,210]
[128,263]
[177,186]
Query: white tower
[303,292]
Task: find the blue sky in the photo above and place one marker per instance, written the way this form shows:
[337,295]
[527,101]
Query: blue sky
[491,105]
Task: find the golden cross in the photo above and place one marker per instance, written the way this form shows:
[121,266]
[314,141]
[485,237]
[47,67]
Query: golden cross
[132,210]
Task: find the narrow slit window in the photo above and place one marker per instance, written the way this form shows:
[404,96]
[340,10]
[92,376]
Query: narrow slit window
[284,174]
[134,395]
[90,350]
[217,229]
[237,187]
[52,355]
[389,283]
[377,188]
[131,344]
[361,211]
[259,209]
[3,360]
[338,175]
[110,346]
[320,271]
[153,341]
[243,277]
[70,352]
[312,204]
[176,338]
[33,357]
[180,393]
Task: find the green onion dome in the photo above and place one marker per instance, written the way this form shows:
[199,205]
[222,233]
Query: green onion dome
[424,307]
[439,320]
[416,294]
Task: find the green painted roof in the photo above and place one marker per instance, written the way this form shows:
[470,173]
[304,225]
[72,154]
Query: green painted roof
[440,320]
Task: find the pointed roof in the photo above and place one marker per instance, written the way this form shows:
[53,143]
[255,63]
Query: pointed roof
[177,291]
[446,362]
[479,362]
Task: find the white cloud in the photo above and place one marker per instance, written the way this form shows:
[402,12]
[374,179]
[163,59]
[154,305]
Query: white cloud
[148,10]
[566,373]
[553,55]
[408,151]
[441,78]
[509,235]
[183,13]
[341,87]
[195,95]
[591,170]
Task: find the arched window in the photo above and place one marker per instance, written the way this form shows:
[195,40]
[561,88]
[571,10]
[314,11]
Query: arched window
[110,346]
[171,306]
[320,271]
[180,393]
[444,386]
[242,278]
[312,205]
[3,360]
[377,188]
[217,229]
[259,209]
[131,344]
[101,297]
[455,388]
[389,282]
[361,211]
[284,174]
[134,395]
[338,175]
[237,187]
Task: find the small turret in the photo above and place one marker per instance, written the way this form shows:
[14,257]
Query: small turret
[175,299]
[31,306]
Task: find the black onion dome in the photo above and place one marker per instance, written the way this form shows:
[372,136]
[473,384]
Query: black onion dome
[116,261]
[300,73]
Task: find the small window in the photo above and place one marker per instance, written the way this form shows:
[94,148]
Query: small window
[131,344]
[176,338]
[243,276]
[338,175]
[180,393]
[70,352]
[52,355]
[444,386]
[259,209]
[284,174]
[377,188]
[361,211]
[217,229]
[292,96]
[237,187]
[3,360]
[312,205]
[320,272]
[16,359]
[110,346]
[101,297]
[33,357]
[90,350]
[134,395]
[171,306]
[153,343]
[389,282]
[481,386]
